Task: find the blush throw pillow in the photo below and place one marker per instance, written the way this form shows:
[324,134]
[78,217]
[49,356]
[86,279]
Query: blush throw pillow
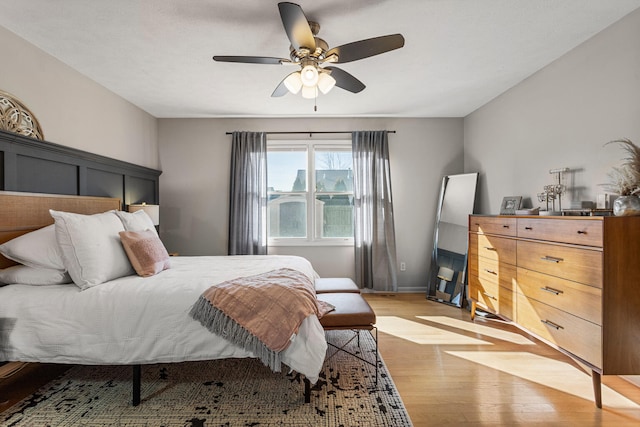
[146,252]
[37,249]
[136,221]
[90,247]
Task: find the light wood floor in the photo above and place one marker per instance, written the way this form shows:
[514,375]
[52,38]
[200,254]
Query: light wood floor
[452,371]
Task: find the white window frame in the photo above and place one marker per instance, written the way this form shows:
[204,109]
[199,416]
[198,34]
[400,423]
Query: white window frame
[310,193]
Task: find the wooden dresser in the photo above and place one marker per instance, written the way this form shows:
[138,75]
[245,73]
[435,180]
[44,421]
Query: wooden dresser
[572,281]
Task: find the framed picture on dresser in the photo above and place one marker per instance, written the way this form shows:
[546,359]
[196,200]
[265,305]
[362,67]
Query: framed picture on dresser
[510,204]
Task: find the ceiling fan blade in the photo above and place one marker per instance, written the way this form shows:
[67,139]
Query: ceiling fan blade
[366,48]
[296,26]
[251,59]
[280,90]
[345,80]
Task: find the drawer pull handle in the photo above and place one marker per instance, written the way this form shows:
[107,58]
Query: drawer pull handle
[551,290]
[582,232]
[491,272]
[528,228]
[505,226]
[552,259]
[489,248]
[489,296]
[553,325]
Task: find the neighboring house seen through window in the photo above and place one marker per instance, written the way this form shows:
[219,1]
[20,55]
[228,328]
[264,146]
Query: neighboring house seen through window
[310,192]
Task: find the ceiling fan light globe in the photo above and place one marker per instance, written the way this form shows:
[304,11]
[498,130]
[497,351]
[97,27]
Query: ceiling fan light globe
[325,83]
[309,76]
[309,92]
[293,82]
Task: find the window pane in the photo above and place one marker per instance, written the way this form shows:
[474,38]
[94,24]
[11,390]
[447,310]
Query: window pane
[287,216]
[287,170]
[334,216]
[334,170]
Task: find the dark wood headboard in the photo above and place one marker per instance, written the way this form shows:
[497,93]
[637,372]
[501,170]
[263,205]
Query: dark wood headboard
[24,212]
[33,166]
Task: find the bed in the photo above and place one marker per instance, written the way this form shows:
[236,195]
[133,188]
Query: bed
[129,320]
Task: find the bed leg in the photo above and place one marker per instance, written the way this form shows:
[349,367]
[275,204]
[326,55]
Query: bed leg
[136,385]
[307,390]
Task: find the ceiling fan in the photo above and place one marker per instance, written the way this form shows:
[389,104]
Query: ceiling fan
[309,52]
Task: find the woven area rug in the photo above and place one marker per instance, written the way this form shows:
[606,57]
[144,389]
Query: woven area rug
[231,392]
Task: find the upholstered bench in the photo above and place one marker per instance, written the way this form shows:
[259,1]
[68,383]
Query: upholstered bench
[351,312]
[336,285]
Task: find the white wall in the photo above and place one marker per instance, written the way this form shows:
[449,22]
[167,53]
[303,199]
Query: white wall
[73,110]
[194,186]
[560,117]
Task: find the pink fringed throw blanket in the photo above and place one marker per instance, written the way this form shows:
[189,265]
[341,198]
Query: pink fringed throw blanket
[260,313]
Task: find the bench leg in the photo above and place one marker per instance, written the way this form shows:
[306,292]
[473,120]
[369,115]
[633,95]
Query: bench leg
[357,337]
[377,355]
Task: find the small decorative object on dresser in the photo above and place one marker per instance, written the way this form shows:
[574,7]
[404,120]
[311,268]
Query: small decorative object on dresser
[510,204]
[571,281]
[626,206]
[625,180]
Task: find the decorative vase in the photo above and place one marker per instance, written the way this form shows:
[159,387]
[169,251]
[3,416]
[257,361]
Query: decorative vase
[626,206]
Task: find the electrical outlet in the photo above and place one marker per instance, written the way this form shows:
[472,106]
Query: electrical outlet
[403,266]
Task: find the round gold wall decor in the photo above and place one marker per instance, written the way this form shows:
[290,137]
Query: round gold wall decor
[16,117]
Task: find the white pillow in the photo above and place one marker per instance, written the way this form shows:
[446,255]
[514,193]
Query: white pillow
[24,275]
[91,248]
[136,221]
[35,249]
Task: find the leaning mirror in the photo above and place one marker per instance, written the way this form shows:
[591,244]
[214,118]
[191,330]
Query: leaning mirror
[447,275]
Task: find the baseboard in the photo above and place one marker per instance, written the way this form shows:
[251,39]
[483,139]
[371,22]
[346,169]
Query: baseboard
[412,290]
[415,290]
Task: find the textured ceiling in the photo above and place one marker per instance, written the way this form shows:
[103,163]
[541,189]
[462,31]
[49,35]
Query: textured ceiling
[458,54]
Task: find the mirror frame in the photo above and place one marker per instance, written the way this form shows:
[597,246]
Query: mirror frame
[459,277]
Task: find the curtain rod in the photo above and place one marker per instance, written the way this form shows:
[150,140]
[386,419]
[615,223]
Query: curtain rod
[310,132]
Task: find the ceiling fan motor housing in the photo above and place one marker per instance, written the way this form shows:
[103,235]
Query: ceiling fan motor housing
[317,54]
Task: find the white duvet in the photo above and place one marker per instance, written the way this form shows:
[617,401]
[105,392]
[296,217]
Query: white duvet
[136,320]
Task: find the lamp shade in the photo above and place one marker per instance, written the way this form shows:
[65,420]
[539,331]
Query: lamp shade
[152,210]
[325,83]
[293,82]
[445,273]
[309,75]
[309,92]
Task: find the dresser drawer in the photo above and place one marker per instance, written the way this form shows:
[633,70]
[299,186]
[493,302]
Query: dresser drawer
[492,247]
[577,336]
[579,265]
[574,298]
[493,225]
[488,270]
[490,295]
[586,232]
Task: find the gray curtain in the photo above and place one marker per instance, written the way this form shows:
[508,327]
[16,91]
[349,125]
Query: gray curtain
[248,194]
[375,241]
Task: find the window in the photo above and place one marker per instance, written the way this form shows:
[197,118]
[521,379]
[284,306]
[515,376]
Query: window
[310,208]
